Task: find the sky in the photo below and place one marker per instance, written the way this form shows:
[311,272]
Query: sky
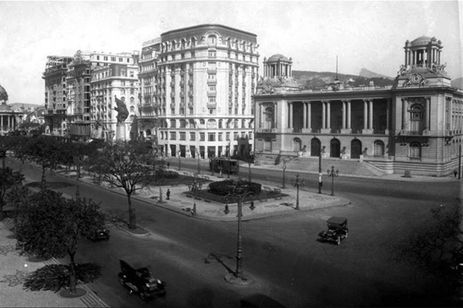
[363,34]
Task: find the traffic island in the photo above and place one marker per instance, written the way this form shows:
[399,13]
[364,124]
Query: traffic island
[238,280]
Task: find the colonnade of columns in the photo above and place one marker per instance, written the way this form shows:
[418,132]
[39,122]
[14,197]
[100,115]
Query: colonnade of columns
[326,116]
[424,55]
[7,122]
[277,69]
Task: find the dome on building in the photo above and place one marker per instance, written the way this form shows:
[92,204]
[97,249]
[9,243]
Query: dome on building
[423,41]
[278,57]
[3,94]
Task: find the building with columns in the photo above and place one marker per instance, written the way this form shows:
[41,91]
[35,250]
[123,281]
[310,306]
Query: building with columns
[278,66]
[205,79]
[9,119]
[416,124]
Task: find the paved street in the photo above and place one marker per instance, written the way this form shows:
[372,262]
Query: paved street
[281,253]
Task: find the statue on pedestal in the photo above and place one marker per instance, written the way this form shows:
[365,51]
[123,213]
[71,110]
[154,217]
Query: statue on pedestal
[122,115]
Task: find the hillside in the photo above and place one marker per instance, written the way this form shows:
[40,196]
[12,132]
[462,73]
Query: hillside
[457,83]
[369,74]
[320,80]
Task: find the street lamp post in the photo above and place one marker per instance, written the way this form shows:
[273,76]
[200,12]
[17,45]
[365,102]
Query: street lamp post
[332,174]
[298,184]
[283,184]
[179,160]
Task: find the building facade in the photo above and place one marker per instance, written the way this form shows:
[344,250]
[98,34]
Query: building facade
[206,76]
[9,119]
[107,83]
[68,92]
[147,120]
[414,125]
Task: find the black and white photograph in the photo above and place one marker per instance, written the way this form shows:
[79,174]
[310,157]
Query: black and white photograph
[231,154]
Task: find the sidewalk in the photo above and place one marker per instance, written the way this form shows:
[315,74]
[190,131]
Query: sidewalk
[14,269]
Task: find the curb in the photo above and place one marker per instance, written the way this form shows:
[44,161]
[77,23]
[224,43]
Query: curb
[90,299]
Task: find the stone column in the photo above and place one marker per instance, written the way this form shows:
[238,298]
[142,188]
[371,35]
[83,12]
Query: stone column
[328,115]
[323,115]
[309,116]
[346,117]
[365,114]
[427,117]
[304,111]
[1,123]
[371,114]
[290,124]
[275,119]
[344,103]
[349,115]
[388,116]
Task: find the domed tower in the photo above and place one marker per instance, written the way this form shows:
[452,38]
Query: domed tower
[422,65]
[278,66]
[3,95]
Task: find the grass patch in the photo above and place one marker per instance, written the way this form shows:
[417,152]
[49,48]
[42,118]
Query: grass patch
[209,196]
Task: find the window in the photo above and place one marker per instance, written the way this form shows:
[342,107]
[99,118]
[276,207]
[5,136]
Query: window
[415,150]
[211,137]
[212,40]
[212,53]
[212,88]
[235,136]
[182,136]
[120,59]
[416,117]
[192,136]
[113,59]
[227,137]
[220,137]
[211,99]
[202,137]
[211,77]
[105,58]
[173,136]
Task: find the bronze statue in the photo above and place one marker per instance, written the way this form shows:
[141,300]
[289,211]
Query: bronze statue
[122,112]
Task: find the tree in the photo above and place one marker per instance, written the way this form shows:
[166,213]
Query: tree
[8,179]
[46,151]
[50,225]
[124,165]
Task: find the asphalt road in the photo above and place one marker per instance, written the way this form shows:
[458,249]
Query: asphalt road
[281,254]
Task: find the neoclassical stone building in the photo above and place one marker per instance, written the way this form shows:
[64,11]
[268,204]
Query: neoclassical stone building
[416,124]
[206,76]
[9,119]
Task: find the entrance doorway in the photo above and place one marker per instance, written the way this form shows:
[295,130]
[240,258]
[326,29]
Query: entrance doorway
[379,148]
[355,148]
[335,148]
[315,146]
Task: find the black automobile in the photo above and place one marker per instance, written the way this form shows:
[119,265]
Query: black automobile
[141,282]
[100,234]
[337,230]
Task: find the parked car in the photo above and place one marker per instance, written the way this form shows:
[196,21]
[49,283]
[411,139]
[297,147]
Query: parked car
[337,230]
[101,234]
[141,282]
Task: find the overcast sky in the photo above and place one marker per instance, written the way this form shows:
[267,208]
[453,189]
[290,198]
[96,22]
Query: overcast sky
[364,34]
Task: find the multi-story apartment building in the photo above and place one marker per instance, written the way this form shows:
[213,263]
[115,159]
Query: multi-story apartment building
[69,111]
[56,93]
[417,124]
[107,83]
[147,78]
[206,76]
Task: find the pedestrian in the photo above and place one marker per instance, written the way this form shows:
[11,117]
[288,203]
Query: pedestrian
[168,194]
[455,172]
[168,165]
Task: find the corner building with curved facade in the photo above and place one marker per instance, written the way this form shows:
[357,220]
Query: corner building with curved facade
[415,125]
[206,77]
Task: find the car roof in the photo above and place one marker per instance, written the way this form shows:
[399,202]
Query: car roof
[337,220]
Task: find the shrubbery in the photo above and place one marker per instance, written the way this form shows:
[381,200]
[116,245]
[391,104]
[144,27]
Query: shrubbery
[229,187]
[56,276]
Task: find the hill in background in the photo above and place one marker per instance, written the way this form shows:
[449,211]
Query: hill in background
[321,80]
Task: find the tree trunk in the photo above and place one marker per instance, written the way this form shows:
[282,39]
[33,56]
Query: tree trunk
[132,218]
[72,273]
[42,182]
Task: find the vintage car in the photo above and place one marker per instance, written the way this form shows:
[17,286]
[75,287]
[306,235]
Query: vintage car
[100,234]
[140,281]
[337,230]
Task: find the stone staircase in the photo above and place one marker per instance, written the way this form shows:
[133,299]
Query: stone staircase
[345,166]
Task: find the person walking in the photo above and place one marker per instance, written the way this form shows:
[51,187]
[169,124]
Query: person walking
[168,194]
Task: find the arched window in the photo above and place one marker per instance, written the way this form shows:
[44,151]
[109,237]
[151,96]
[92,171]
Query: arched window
[269,118]
[415,150]
[335,148]
[355,148]
[416,117]
[212,40]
